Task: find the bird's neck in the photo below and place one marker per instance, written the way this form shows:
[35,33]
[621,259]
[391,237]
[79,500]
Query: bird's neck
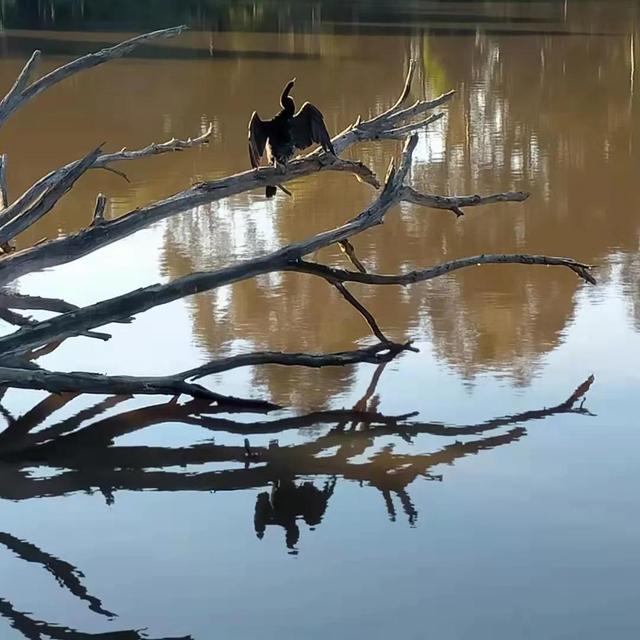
[288,106]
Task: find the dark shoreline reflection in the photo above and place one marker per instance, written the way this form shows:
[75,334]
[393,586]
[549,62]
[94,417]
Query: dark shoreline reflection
[319,16]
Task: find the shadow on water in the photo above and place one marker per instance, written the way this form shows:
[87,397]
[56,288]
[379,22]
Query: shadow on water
[299,479]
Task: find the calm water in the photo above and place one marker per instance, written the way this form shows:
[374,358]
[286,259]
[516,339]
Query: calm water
[458,525]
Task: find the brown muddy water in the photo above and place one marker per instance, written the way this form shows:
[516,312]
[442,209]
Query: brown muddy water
[461,525]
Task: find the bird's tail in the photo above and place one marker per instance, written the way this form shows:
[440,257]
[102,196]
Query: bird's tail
[270,191]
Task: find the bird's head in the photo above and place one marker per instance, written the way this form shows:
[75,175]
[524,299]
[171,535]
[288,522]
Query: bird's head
[286,100]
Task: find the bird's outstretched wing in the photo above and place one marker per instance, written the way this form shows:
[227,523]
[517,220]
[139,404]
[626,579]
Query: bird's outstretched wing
[258,134]
[309,127]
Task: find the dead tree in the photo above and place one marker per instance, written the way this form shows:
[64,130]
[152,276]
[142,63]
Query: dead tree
[19,349]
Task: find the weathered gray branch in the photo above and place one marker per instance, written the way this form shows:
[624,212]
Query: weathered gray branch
[14,300]
[83,382]
[75,246]
[4,197]
[98,212]
[20,92]
[18,221]
[13,97]
[455,203]
[155,149]
[18,320]
[375,354]
[340,275]
[362,310]
[53,178]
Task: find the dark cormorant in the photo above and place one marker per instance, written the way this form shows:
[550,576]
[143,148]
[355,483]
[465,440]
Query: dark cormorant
[286,132]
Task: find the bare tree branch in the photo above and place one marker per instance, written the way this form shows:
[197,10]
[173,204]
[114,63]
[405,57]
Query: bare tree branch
[14,95]
[21,301]
[18,320]
[363,311]
[47,182]
[16,219]
[98,213]
[82,382]
[349,250]
[4,198]
[155,149]
[375,355]
[455,203]
[72,247]
[334,275]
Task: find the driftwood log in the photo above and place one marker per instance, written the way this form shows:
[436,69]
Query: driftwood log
[18,350]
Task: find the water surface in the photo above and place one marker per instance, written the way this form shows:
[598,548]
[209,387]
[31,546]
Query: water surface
[507,506]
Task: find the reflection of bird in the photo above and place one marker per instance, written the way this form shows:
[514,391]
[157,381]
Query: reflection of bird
[286,132]
[287,503]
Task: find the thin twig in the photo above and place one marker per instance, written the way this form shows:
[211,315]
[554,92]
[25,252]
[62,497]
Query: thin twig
[366,314]
[349,250]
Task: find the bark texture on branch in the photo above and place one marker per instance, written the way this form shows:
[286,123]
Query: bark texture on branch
[82,382]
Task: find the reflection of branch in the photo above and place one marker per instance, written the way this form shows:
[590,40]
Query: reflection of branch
[18,436]
[20,427]
[66,574]
[35,629]
[68,577]
[92,463]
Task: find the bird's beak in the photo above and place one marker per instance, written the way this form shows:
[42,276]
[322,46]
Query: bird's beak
[293,80]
